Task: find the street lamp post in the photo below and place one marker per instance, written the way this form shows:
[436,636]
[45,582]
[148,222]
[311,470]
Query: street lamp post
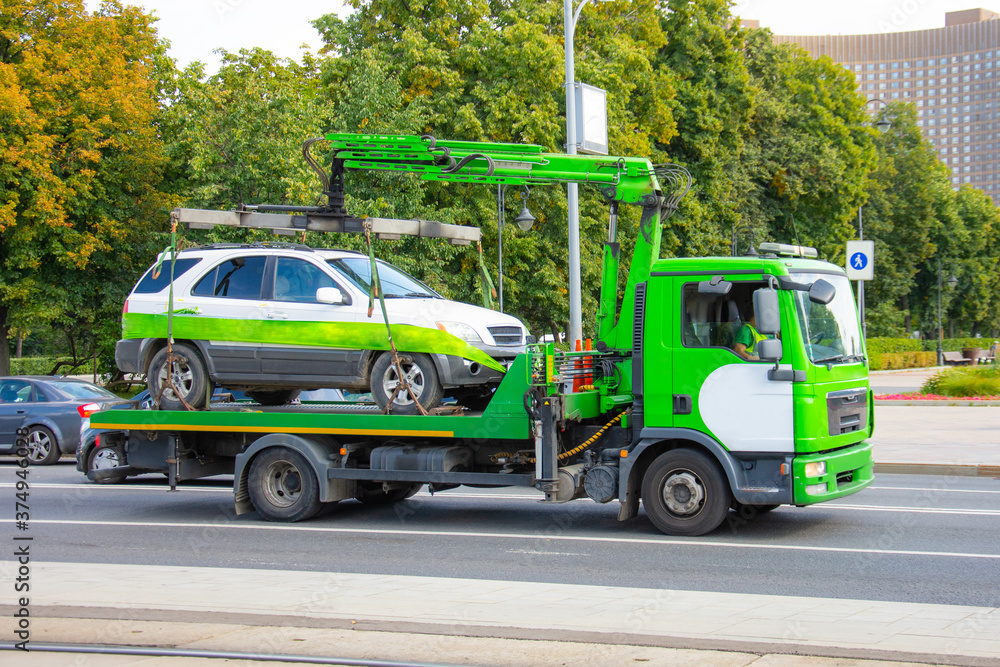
[952,281]
[882,124]
[570,17]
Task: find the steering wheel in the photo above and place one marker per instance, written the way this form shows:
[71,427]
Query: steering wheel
[818,337]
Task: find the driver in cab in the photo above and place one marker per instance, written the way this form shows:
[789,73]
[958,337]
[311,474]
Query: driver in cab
[746,339]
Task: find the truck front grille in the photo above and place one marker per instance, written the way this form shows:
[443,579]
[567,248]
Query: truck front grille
[506,335]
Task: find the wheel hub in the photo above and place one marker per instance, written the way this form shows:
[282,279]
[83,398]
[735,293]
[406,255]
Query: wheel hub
[683,493]
[282,484]
[412,375]
[105,459]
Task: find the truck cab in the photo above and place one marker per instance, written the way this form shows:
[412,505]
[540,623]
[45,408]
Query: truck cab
[787,428]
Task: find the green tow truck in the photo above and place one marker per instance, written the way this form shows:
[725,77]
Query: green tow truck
[669,408]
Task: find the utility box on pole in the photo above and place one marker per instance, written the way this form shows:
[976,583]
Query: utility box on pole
[591,119]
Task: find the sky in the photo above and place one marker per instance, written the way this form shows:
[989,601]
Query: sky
[196,27]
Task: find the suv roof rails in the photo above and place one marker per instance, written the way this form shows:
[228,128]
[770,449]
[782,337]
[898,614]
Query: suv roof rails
[256,244]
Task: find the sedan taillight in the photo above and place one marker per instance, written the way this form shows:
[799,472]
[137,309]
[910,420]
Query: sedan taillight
[87,409]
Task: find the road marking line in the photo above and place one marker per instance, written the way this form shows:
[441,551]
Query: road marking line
[912,510]
[501,496]
[663,541]
[928,488]
[116,487]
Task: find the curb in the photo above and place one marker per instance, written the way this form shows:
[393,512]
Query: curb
[952,469]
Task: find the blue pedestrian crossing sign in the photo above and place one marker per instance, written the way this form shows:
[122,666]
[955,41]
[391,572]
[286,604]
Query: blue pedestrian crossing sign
[861,260]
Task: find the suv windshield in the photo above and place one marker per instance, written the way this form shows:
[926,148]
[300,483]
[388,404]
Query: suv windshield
[395,283]
[831,332]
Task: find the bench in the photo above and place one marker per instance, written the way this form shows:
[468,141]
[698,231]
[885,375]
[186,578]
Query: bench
[956,359]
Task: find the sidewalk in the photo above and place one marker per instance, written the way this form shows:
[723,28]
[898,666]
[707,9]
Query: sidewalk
[932,438]
[319,613]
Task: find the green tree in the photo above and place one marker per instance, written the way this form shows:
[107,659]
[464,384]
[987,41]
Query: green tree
[493,71]
[809,148]
[80,161]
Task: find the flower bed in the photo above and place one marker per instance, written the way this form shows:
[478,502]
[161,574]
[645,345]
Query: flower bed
[932,397]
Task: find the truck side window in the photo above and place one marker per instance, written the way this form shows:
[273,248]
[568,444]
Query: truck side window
[237,278]
[712,320]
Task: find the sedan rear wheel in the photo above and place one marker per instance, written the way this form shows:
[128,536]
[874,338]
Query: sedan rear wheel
[43,449]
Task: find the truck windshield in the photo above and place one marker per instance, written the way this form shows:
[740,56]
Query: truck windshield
[395,283]
[831,332]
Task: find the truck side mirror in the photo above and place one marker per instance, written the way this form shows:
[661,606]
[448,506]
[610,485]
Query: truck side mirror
[766,311]
[329,295]
[822,292]
[769,349]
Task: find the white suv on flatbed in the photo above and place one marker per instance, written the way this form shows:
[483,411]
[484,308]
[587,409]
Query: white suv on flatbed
[274,319]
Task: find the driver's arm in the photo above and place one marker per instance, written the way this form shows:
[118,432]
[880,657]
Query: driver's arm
[741,350]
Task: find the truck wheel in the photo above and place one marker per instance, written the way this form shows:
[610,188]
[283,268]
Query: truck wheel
[685,493]
[279,397]
[283,486]
[372,494]
[103,458]
[419,372]
[188,375]
[43,450]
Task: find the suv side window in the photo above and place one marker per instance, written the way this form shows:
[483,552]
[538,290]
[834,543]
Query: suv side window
[298,280]
[151,285]
[237,278]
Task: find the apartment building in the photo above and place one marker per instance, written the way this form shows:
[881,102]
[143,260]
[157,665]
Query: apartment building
[950,74]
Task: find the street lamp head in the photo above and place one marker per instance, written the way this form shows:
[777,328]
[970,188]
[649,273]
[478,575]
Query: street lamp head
[952,281]
[524,219]
[883,123]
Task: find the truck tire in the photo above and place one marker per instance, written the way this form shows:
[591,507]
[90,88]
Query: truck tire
[685,492]
[420,373]
[277,397]
[188,375]
[283,486]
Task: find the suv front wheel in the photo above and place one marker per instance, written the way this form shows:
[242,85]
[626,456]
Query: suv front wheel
[418,371]
[187,375]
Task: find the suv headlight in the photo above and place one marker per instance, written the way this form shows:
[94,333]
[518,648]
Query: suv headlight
[461,330]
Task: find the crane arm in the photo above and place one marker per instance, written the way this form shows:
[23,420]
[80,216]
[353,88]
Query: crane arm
[621,179]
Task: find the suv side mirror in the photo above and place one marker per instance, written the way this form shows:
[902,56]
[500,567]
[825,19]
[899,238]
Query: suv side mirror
[822,292]
[767,312]
[769,350]
[329,295]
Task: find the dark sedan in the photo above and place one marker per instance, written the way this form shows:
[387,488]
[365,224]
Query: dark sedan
[53,409]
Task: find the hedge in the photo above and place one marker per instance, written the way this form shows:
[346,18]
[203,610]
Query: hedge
[893,353]
[43,366]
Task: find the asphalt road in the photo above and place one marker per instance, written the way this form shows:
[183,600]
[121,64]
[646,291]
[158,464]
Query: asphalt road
[909,538]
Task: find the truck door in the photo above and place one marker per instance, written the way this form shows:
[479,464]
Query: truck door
[717,391]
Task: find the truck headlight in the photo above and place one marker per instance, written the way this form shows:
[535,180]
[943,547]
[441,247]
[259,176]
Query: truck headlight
[816,468]
[460,330]
[815,489]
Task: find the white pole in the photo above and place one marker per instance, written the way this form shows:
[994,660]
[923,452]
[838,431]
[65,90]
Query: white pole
[572,192]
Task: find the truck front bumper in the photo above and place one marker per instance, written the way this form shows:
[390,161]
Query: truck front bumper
[847,471]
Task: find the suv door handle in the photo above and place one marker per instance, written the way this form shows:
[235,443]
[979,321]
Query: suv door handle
[277,316]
